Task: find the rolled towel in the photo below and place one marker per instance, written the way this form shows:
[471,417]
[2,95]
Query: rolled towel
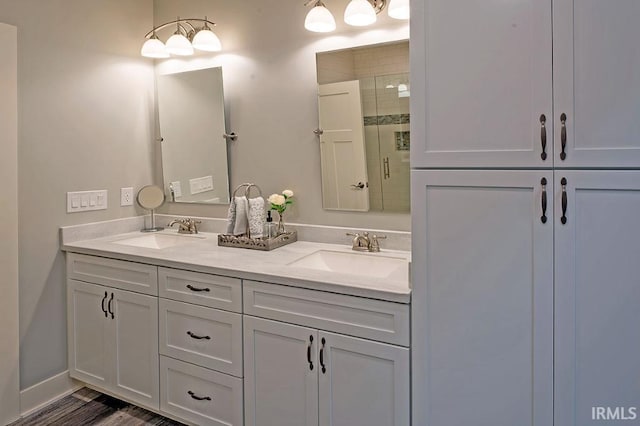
[242,215]
[231,216]
[256,217]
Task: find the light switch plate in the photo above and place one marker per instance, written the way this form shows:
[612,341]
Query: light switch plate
[82,201]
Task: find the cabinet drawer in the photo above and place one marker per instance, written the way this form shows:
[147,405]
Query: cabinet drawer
[371,319]
[202,289]
[120,274]
[202,336]
[201,396]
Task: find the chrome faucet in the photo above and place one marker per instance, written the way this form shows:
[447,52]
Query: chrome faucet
[186,226]
[364,242]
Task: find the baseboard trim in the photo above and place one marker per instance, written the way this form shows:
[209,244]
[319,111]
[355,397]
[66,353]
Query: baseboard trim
[44,393]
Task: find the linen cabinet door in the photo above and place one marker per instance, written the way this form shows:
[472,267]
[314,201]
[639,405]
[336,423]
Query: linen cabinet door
[134,347]
[482,298]
[281,380]
[596,90]
[597,318]
[87,333]
[481,83]
[362,383]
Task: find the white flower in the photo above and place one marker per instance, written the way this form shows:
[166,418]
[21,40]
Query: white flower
[276,199]
[287,193]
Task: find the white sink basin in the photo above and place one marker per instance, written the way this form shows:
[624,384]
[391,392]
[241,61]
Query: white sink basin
[159,241]
[361,264]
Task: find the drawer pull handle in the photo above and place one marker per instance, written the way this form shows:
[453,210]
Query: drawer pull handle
[563,219]
[192,288]
[543,136]
[563,136]
[109,306]
[199,398]
[324,368]
[104,299]
[309,353]
[195,336]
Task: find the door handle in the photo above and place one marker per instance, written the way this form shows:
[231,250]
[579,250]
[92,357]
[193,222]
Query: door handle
[318,132]
[309,353]
[563,136]
[360,185]
[385,168]
[109,306]
[543,182]
[324,368]
[543,136]
[104,299]
[563,219]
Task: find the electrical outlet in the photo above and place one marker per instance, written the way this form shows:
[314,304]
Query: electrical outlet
[126,196]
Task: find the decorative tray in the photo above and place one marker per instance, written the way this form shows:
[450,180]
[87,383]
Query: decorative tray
[264,244]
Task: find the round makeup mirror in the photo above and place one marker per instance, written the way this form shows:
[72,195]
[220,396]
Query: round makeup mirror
[151,197]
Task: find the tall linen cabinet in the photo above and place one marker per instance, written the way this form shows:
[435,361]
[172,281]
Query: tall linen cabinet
[525,164]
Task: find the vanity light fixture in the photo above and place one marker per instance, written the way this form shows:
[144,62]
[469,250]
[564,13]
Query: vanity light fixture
[186,37]
[358,13]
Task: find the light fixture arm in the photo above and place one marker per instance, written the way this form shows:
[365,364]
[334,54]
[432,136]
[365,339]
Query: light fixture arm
[378,5]
[180,21]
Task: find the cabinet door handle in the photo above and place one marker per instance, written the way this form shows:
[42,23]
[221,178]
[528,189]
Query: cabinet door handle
[543,136]
[543,182]
[192,288]
[199,398]
[563,136]
[386,169]
[195,336]
[109,306]
[104,299]
[309,353]
[563,182]
[324,368]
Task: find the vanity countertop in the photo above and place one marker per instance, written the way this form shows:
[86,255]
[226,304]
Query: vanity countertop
[204,255]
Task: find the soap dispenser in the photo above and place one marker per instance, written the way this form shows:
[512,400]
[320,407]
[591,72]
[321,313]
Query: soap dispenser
[270,228]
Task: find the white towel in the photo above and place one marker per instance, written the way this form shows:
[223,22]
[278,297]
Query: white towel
[231,216]
[256,217]
[242,215]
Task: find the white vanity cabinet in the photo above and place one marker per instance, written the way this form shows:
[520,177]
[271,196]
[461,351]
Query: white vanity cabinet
[308,375]
[113,341]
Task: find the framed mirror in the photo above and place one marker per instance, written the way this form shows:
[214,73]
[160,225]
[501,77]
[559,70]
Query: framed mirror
[363,105]
[192,124]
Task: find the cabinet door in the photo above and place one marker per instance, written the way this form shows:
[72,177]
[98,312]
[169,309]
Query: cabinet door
[133,347]
[281,380]
[482,298]
[86,325]
[481,78]
[597,338]
[362,383]
[596,63]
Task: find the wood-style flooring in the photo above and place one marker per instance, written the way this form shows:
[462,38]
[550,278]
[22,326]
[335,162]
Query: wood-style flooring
[88,407]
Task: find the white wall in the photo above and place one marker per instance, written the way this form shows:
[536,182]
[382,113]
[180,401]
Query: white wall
[9,358]
[269,69]
[85,105]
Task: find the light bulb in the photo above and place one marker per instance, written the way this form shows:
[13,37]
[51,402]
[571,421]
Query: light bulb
[179,45]
[154,48]
[399,9]
[359,13]
[206,40]
[320,20]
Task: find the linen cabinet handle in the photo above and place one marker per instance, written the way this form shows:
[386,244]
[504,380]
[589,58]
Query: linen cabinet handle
[543,182]
[192,288]
[563,182]
[309,353]
[563,136]
[324,368]
[104,299]
[199,398]
[195,336]
[543,136]
[109,306]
